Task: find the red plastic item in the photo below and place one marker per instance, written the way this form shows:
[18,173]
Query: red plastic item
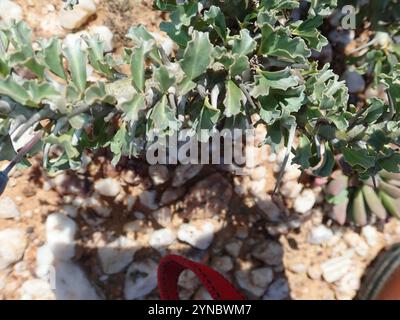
[172,266]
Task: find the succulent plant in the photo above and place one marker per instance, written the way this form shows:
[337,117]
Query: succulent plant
[364,201]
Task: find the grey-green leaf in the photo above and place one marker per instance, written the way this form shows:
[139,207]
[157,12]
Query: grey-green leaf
[197,55]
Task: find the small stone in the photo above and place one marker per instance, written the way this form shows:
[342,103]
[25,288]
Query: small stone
[73,19]
[12,246]
[298,268]
[60,235]
[291,189]
[140,279]
[357,243]
[233,248]
[199,236]
[163,216]
[349,284]
[107,187]
[130,202]
[222,264]
[292,173]
[72,283]
[259,173]
[320,235]
[36,289]
[305,201]
[270,252]
[171,194]
[278,290]
[70,210]
[8,209]
[262,277]
[335,268]
[244,281]
[354,81]
[184,173]
[162,238]
[159,174]
[10,11]
[267,206]
[370,234]
[116,255]
[148,199]
[44,261]
[314,272]
[105,35]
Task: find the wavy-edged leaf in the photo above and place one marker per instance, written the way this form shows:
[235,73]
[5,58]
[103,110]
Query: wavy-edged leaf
[77,59]
[197,55]
[51,55]
[233,99]
[278,43]
[245,44]
[216,19]
[164,79]
[138,62]
[133,107]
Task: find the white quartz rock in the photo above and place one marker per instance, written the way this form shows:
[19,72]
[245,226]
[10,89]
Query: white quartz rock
[140,279]
[12,246]
[8,208]
[199,236]
[107,187]
[162,238]
[73,19]
[60,235]
[117,254]
[72,283]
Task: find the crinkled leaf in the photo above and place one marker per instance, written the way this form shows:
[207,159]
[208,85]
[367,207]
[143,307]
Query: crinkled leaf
[197,55]
[216,19]
[244,44]
[164,79]
[233,99]
[76,58]
[358,157]
[133,107]
[278,43]
[138,64]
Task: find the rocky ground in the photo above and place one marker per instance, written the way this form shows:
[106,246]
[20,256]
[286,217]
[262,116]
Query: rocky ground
[100,232]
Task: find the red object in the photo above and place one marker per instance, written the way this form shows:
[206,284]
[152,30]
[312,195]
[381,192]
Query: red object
[172,266]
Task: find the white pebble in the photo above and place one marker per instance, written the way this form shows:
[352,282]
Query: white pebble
[36,289]
[107,187]
[198,236]
[8,208]
[305,201]
[371,235]
[116,255]
[334,269]
[320,234]
[60,235]
[162,238]
[72,283]
[12,246]
[73,19]
[9,11]
[140,279]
